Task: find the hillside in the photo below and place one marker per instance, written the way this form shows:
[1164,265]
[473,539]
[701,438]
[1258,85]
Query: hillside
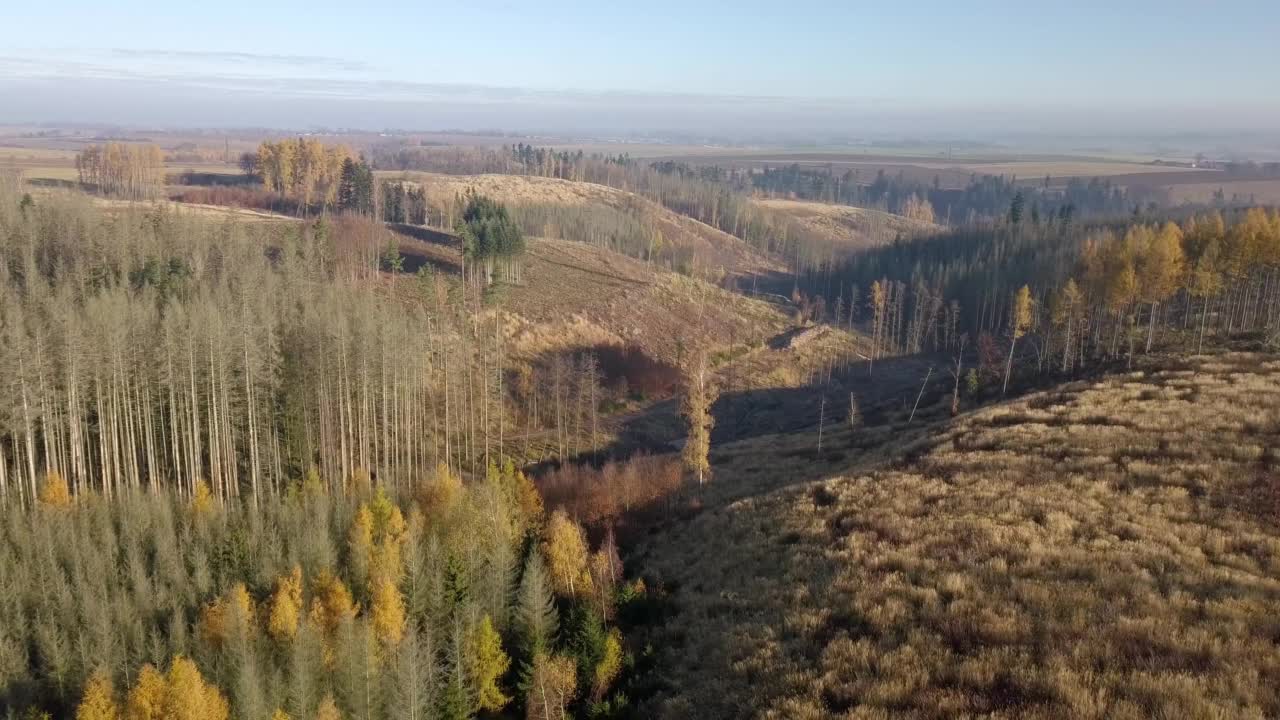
[602,216]
[1108,549]
[848,228]
[573,296]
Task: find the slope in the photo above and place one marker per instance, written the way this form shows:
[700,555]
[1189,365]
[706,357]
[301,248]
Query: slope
[844,228]
[1110,549]
[601,216]
[574,296]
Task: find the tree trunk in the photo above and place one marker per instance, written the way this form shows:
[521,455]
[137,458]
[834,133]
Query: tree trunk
[1008,369]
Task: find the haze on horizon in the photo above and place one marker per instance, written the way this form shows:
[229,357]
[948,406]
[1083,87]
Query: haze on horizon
[748,69]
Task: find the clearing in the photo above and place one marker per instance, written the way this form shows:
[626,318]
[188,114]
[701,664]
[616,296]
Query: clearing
[845,228]
[563,202]
[1108,549]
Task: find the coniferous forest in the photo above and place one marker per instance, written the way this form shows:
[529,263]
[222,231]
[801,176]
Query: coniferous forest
[232,483]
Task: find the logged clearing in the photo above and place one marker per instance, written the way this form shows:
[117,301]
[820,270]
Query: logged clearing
[847,227]
[574,295]
[708,247]
[1109,549]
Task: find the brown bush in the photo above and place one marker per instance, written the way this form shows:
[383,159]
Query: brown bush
[602,496]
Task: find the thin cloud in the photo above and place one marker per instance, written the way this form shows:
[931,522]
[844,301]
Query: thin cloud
[221,56]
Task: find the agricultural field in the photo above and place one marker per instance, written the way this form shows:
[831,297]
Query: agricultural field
[956,171]
[39,163]
[1264,192]
[1106,549]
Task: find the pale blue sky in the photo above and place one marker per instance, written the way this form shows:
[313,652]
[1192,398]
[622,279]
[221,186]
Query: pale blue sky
[1134,59]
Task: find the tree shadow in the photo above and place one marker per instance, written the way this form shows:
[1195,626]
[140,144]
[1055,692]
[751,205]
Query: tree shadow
[424,247]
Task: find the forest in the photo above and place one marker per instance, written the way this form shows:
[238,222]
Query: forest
[258,469]
[1077,291]
[128,170]
[443,599]
[984,199]
[304,470]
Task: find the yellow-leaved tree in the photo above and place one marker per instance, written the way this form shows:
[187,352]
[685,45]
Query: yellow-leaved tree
[388,614]
[487,663]
[202,502]
[331,606]
[360,546]
[1161,271]
[147,698]
[438,495]
[552,685]
[565,547]
[99,701]
[1020,317]
[328,709]
[1067,307]
[189,697]
[54,491]
[1205,283]
[226,616]
[389,534]
[695,406]
[286,607]
[609,666]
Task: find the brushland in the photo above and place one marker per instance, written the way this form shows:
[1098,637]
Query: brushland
[1106,549]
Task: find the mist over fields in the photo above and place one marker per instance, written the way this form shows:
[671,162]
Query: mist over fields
[310,102]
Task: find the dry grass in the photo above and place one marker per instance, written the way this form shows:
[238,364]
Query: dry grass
[572,296]
[1106,550]
[849,228]
[711,247]
[576,295]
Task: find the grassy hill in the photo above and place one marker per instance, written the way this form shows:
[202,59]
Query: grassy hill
[1107,549]
[845,228]
[574,296]
[605,217]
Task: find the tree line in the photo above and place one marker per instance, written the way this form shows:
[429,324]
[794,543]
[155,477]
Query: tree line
[982,200]
[129,170]
[304,169]
[1078,293]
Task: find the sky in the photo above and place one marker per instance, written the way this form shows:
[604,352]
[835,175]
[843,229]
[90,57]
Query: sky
[745,66]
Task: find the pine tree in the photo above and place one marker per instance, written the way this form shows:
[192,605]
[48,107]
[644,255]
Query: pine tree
[536,618]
